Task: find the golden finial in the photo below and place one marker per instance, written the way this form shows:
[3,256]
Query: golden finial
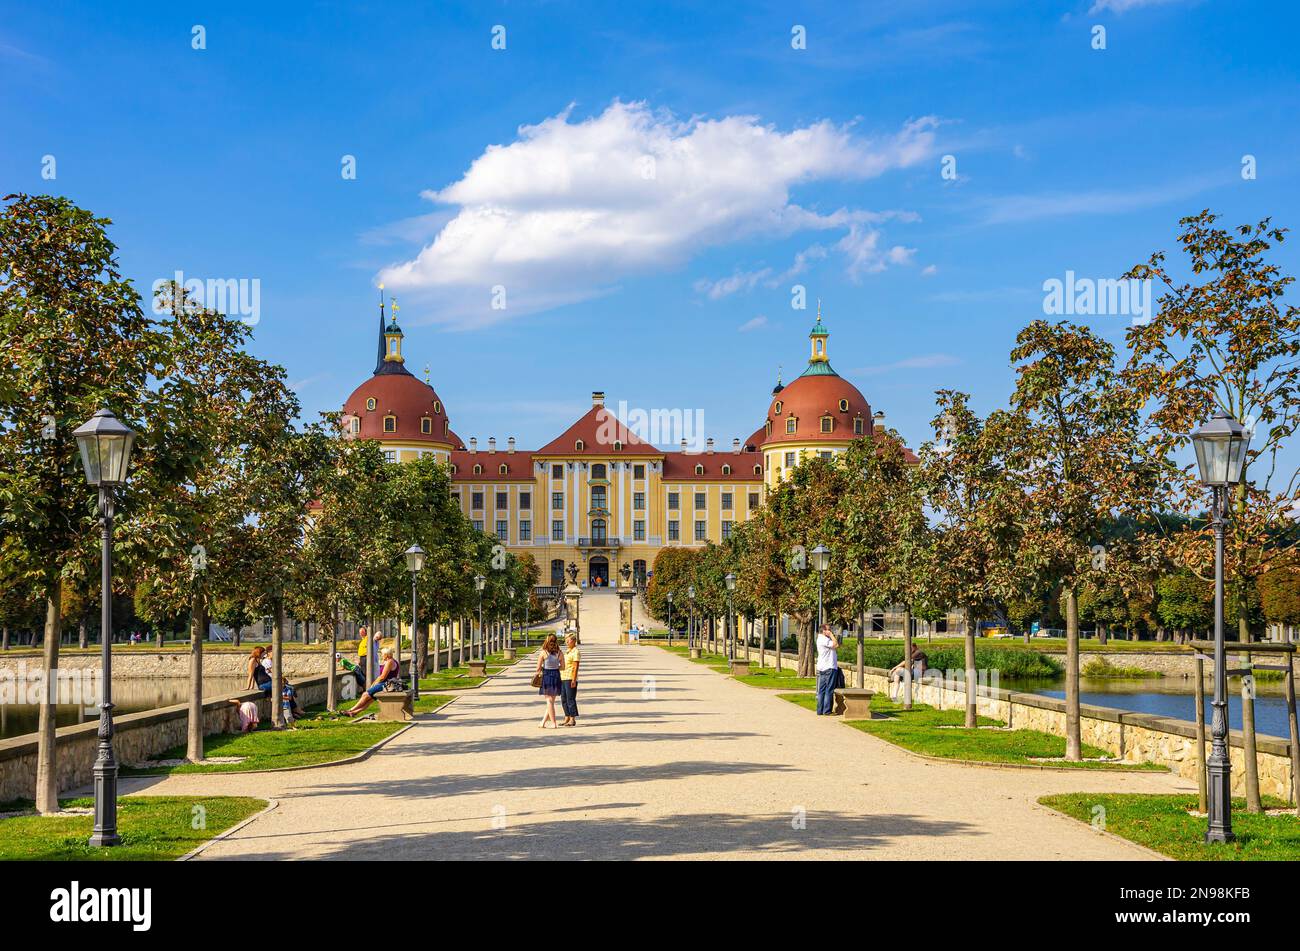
[426,373]
[819,310]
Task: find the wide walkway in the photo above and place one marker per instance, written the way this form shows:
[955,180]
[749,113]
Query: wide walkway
[671,760]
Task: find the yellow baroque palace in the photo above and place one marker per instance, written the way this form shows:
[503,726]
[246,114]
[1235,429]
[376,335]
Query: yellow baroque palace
[597,494]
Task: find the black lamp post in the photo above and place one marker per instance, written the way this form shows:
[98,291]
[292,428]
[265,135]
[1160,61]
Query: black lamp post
[510,619]
[730,579]
[670,618]
[1221,446]
[690,628]
[414,564]
[821,560]
[105,446]
[479,583]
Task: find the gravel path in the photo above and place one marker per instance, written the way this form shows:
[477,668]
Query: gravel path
[670,760]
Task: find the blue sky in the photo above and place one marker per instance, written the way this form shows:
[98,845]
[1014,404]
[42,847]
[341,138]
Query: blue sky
[523,168]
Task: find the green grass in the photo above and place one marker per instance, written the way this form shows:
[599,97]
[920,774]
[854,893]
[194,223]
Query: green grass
[1164,824]
[1101,668]
[431,702]
[769,679]
[153,828]
[319,738]
[1011,662]
[940,733]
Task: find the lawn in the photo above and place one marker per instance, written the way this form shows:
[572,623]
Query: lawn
[429,703]
[153,828]
[769,679]
[939,733]
[1165,824]
[319,738]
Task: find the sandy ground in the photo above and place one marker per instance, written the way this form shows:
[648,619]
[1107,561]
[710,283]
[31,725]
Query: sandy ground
[670,760]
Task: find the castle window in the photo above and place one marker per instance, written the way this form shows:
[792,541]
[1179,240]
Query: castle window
[768,427]
[758,470]
[426,425]
[827,424]
[437,407]
[618,446]
[638,472]
[790,424]
[579,446]
[699,469]
[478,469]
[504,469]
[370,403]
[390,424]
[857,426]
[557,471]
[390,455]
[726,470]
[598,470]
[844,406]
[356,424]
[777,409]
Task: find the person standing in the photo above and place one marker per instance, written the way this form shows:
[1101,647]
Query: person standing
[569,681]
[828,665]
[549,662]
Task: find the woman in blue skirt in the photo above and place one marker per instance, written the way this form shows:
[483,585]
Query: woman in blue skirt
[548,666]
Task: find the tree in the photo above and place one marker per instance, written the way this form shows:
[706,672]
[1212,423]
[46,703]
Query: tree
[75,340]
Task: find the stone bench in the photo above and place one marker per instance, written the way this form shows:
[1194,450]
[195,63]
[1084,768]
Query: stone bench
[739,668]
[695,653]
[509,654]
[478,668]
[395,705]
[854,704]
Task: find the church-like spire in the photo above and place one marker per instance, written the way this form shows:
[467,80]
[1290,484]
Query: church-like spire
[379,356]
[818,361]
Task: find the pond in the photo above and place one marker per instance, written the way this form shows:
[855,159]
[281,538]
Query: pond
[1172,697]
[130,695]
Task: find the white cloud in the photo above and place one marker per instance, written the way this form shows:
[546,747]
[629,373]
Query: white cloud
[930,270]
[568,209]
[1018,208]
[926,361]
[740,281]
[865,255]
[753,324]
[1123,6]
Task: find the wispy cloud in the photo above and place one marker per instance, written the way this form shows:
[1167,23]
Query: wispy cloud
[927,361]
[1009,209]
[753,324]
[1123,6]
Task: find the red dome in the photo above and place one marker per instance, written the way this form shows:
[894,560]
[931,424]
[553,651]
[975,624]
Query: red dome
[408,400]
[810,398]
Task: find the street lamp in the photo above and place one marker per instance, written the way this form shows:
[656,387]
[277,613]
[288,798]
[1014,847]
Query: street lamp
[821,560]
[690,626]
[479,583]
[105,445]
[510,618]
[670,618]
[414,564]
[1221,446]
[730,579]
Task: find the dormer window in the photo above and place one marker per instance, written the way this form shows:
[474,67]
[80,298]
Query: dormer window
[453,468]
[437,407]
[827,424]
[370,404]
[579,445]
[790,424]
[426,425]
[504,469]
[390,424]
[726,470]
[356,424]
[857,426]
[699,469]
[758,470]
[768,428]
[618,446]
[478,469]
[776,410]
[446,427]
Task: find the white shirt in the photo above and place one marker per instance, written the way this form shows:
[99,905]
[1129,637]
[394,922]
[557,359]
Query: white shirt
[827,659]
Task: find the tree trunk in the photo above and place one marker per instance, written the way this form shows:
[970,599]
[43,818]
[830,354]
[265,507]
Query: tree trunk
[807,648]
[332,684]
[277,676]
[82,640]
[47,773]
[1073,746]
[969,646]
[1101,634]
[1249,753]
[907,656]
[4,638]
[198,627]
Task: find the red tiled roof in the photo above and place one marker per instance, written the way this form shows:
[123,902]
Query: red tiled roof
[403,396]
[598,429]
[808,399]
[519,465]
[680,467]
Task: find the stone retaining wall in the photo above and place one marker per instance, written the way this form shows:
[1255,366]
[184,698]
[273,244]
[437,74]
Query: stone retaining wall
[1135,737]
[140,736]
[127,665]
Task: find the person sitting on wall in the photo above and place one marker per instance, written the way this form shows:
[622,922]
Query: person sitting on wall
[388,670]
[899,671]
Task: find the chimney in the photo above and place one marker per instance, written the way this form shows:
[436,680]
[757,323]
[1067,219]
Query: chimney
[709,444]
[511,443]
[492,444]
[597,399]
[683,445]
[473,444]
[735,444]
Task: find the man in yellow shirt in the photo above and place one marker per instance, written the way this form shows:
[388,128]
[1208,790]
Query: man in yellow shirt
[569,681]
